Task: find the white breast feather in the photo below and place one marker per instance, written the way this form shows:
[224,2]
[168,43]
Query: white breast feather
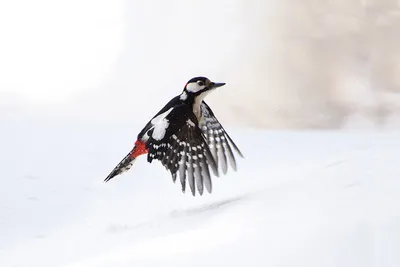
[197,103]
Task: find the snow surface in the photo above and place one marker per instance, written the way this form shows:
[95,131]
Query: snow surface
[298,199]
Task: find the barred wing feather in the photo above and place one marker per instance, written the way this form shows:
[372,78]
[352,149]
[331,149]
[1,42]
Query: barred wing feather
[183,150]
[218,140]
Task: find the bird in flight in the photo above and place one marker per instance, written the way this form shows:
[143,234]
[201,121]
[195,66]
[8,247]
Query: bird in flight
[186,137]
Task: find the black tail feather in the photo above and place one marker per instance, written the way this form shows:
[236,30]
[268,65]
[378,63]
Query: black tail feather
[123,166]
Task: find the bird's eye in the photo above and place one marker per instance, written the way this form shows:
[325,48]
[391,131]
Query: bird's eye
[200,83]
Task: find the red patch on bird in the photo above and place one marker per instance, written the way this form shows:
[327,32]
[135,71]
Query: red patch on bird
[139,149]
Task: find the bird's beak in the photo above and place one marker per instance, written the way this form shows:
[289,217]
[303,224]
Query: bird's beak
[216,85]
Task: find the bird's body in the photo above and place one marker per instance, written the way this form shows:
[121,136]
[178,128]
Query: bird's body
[187,138]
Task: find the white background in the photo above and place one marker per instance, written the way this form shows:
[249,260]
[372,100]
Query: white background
[286,65]
[79,79]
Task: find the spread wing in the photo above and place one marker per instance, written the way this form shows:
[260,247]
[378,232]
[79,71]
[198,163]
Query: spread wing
[179,144]
[217,138]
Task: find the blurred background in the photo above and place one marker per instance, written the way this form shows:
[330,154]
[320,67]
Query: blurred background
[287,64]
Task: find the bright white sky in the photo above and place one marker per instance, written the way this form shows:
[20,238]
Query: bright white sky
[50,50]
[64,53]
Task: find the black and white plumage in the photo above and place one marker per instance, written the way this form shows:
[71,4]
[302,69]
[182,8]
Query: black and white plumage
[218,140]
[186,137]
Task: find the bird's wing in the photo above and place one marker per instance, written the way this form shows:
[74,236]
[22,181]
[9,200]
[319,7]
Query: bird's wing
[179,144]
[218,140]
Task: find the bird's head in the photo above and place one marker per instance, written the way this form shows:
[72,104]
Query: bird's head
[199,86]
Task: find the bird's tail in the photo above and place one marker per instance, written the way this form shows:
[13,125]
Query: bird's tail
[127,162]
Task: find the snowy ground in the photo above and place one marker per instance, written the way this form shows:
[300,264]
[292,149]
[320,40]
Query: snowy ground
[299,199]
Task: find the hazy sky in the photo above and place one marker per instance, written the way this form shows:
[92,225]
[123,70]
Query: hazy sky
[100,58]
[51,50]
[285,64]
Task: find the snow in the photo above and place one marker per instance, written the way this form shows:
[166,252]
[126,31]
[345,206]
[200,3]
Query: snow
[315,198]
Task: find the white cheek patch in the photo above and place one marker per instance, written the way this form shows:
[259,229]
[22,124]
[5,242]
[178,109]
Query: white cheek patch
[194,87]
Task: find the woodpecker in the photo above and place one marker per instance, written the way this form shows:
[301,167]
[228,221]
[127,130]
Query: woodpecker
[186,137]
